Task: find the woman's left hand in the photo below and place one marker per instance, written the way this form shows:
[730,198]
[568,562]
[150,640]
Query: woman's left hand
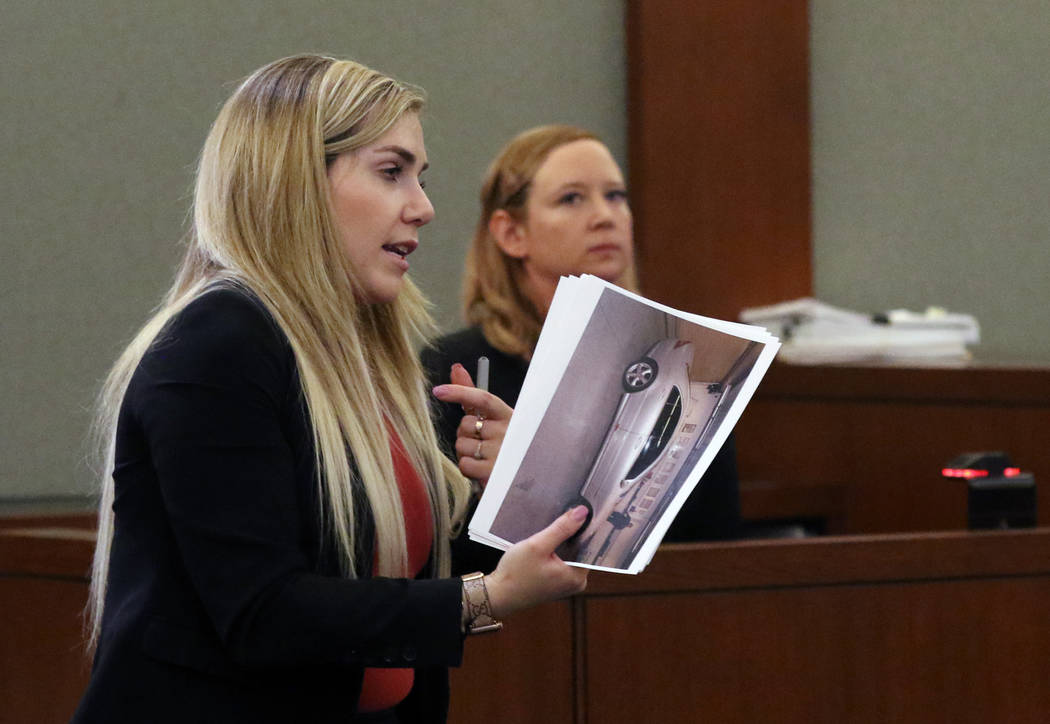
[484,424]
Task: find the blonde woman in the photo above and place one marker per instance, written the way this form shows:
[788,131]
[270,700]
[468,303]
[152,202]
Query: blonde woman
[553,203]
[275,513]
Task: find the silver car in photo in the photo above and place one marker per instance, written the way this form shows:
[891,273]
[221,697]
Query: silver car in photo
[657,422]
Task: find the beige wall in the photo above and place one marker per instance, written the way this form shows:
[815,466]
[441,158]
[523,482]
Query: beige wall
[931,150]
[931,157]
[106,103]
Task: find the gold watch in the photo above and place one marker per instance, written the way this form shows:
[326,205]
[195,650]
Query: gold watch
[476,606]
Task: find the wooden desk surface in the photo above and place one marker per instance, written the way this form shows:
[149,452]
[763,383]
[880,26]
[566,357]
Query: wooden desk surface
[974,382]
[833,560]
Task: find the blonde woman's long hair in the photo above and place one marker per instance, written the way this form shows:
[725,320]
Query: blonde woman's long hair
[492,294]
[261,221]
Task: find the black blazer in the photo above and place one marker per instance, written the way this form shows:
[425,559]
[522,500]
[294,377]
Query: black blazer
[224,602]
[712,510]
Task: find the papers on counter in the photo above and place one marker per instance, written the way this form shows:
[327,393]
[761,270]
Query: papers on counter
[816,333]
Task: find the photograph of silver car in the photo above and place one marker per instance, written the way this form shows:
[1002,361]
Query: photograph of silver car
[661,416]
[625,423]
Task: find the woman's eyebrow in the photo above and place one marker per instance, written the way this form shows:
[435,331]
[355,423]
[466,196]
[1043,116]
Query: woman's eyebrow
[404,153]
[577,184]
[570,185]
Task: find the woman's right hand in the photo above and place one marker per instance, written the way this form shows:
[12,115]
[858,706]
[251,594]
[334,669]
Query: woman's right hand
[479,436]
[531,573]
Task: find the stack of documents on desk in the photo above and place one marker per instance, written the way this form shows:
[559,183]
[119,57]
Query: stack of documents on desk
[624,407]
[817,333]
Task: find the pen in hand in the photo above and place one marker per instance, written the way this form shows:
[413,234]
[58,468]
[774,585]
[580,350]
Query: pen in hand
[482,383]
[483,374]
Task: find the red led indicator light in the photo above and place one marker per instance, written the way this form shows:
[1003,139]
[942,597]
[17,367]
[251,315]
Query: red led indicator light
[964,473]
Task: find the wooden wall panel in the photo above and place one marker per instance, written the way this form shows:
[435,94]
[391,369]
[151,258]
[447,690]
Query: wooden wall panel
[928,627]
[881,435]
[718,133]
[43,668]
[44,564]
[522,675]
[848,653]
[908,627]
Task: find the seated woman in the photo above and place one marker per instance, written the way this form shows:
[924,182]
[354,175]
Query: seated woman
[553,203]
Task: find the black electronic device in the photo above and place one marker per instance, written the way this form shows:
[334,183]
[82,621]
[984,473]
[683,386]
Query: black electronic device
[1000,495]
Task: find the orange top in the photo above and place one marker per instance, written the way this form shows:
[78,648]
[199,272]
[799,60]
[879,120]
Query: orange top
[384,688]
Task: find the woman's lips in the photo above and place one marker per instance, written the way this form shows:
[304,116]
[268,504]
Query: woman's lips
[400,251]
[401,248]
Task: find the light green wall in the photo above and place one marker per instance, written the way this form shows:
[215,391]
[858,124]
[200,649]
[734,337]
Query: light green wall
[105,106]
[931,161]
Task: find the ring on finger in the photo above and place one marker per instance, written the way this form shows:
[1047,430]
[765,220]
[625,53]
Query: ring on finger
[477,427]
[477,453]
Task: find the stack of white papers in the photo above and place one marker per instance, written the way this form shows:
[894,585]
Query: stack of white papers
[817,333]
[625,405]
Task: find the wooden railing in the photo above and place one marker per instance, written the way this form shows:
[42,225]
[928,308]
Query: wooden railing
[910,627]
[902,628]
[44,568]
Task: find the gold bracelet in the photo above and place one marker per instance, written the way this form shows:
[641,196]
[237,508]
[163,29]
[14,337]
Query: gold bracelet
[476,606]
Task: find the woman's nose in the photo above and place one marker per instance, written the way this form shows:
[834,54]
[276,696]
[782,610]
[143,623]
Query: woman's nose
[605,213]
[419,211]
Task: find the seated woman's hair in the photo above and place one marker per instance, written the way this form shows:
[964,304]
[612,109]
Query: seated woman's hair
[492,295]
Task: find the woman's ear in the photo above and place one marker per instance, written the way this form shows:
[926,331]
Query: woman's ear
[509,234]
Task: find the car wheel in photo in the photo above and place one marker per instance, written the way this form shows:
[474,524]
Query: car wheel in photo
[640,374]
